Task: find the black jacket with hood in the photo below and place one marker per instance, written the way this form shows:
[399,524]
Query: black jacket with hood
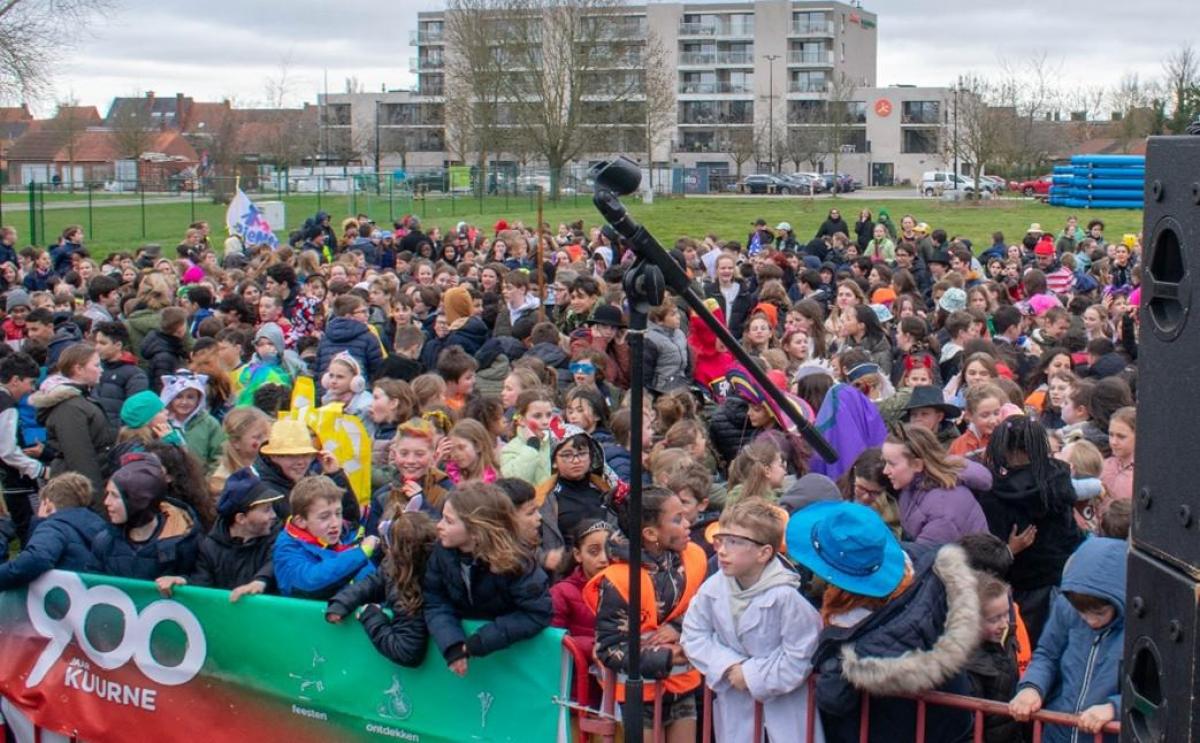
[1018,500]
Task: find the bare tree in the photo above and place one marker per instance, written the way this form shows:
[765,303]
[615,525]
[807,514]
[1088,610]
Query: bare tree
[805,145]
[742,145]
[69,124]
[280,87]
[133,129]
[567,61]
[220,139]
[31,33]
[474,70]
[290,137]
[1181,72]
[837,118]
[658,97]
[1132,104]
[979,135]
[1030,91]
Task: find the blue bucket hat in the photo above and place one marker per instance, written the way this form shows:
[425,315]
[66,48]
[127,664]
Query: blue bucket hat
[847,545]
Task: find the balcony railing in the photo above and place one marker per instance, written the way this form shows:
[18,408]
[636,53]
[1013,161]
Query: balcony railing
[805,28]
[614,31]
[799,86]
[716,29]
[420,38]
[416,64]
[713,88]
[716,58]
[716,120]
[823,58]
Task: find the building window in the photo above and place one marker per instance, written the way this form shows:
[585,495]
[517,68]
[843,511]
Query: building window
[920,112]
[337,114]
[856,112]
[919,142]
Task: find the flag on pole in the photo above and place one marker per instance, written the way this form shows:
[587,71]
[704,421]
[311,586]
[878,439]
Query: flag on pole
[246,220]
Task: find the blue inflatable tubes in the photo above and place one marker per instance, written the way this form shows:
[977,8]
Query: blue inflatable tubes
[1108,159]
[1085,172]
[1108,183]
[1062,180]
[1108,195]
[1063,169]
[1102,204]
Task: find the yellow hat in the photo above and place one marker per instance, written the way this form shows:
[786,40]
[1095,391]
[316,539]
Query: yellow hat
[1129,240]
[289,437]
[922,227]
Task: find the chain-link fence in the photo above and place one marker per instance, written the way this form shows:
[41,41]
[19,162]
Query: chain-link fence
[121,214]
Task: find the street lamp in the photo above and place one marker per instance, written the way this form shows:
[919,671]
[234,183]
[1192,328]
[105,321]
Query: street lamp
[957,85]
[771,106]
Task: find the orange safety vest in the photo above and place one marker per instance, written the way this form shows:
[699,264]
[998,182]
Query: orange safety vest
[695,569]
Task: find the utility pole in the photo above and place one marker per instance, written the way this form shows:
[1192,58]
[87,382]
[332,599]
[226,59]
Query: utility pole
[771,106]
[377,168]
[957,85]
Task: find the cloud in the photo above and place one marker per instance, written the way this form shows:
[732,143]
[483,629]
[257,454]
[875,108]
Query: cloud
[228,49]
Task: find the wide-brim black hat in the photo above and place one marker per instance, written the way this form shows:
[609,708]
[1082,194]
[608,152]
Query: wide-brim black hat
[928,396]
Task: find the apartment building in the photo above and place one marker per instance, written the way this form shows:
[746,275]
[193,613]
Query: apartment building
[743,70]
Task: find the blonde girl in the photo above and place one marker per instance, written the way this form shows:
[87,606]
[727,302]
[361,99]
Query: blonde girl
[246,430]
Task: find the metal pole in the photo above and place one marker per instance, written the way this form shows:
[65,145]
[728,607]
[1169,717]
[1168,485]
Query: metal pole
[957,84]
[377,168]
[91,228]
[142,193]
[541,272]
[771,106]
[192,193]
[634,684]
[33,230]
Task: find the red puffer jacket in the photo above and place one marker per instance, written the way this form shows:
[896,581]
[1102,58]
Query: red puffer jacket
[571,613]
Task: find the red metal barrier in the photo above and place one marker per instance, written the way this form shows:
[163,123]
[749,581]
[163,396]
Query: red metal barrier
[606,726]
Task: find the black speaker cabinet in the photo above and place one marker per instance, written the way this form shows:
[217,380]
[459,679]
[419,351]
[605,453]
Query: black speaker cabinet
[1159,674]
[1166,520]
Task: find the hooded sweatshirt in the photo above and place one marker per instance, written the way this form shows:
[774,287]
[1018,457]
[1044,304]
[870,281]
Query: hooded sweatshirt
[1074,666]
[202,433]
[1017,500]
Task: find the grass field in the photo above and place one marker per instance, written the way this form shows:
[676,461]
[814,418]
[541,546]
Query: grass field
[111,227]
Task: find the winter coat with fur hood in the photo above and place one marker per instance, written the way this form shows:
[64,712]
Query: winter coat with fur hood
[919,641]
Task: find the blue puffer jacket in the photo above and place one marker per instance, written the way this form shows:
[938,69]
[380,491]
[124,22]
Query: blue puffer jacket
[305,569]
[63,541]
[516,607]
[353,337]
[171,550]
[1074,666]
[919,641]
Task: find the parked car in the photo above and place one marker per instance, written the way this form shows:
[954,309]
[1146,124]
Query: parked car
[1039,186]
[805,183]
[934,182]
[761,183]
[998,183]
[844,183]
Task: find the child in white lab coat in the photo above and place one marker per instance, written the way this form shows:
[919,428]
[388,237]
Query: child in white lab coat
[750,631]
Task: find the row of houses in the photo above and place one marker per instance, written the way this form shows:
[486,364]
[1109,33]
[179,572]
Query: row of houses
[159,142]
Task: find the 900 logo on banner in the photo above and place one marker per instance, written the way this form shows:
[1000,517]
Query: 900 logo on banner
[135,639]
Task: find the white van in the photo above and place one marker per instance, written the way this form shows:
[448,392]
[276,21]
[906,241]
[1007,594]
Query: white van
[934,182]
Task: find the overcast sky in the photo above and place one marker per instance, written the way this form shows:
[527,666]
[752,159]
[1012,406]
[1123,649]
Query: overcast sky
[223,49]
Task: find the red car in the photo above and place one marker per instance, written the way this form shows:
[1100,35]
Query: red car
[1039,186]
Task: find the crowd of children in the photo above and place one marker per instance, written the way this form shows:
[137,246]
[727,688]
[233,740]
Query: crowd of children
[969,537]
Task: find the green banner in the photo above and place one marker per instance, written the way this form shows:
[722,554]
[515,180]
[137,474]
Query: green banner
[460,178]
[108,659]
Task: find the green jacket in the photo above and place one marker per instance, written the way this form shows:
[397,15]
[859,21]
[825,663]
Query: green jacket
[519,459]
[140,323]
[205,438]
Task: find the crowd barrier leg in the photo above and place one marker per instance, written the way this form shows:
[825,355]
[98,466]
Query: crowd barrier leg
[978,719]
[706,719]
[660,735]
[920,721]
[864,719]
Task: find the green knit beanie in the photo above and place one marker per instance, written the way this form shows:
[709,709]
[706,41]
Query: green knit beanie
[140,409]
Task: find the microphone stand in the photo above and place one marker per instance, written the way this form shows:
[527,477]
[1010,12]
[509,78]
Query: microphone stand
[653,271]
